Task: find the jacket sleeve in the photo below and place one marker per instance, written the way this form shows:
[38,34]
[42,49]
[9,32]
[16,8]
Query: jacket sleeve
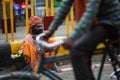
[87,18]
[61,14]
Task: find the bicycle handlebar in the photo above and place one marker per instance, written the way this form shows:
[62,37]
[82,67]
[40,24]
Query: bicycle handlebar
[46,44]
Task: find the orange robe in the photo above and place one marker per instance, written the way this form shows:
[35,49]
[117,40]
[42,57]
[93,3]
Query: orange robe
[29,50]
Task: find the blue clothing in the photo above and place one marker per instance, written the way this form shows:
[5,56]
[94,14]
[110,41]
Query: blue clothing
[17,8]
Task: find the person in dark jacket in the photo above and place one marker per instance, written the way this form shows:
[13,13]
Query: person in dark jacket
[83,40]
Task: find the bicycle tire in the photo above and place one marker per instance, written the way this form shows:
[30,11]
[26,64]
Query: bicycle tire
[20,76]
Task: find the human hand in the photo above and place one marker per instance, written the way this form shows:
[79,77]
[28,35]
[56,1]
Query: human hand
[68,43]
[48,34]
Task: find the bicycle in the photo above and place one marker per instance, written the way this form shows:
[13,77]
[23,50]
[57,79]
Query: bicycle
[24,75]
[112,49]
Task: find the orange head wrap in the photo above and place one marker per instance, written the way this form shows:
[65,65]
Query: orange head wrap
[33,20]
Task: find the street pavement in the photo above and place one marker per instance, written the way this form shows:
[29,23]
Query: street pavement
[69,75]
[67,71]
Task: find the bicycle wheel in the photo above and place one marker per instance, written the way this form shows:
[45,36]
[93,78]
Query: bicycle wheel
[20,76]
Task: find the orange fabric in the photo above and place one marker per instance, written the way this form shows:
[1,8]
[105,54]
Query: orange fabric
[29,46]
[47,54]
[50,41]
[29,49]
[29,38]
[80,7]
[33,20]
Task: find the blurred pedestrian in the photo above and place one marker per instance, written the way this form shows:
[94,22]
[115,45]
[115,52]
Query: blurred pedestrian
[19,10]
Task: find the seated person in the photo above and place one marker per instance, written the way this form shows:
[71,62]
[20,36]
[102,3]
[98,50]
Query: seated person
[29,47]
[19,10]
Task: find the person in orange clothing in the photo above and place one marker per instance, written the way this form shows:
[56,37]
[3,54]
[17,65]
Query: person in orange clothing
[29,48]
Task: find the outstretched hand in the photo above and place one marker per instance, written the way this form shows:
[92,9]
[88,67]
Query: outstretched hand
[48,34]
[68,43]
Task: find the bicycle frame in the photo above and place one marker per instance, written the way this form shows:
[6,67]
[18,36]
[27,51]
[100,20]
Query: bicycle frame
[47,72]
[109,50]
